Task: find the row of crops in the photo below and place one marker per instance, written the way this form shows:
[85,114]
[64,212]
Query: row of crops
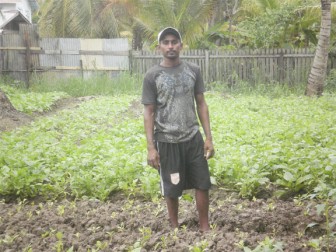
[285,144]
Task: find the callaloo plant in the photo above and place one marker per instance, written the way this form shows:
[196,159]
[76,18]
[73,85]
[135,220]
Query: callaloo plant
[30,102]
[89,152]
[286,144]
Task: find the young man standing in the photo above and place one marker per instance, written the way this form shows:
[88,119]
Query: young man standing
[174,143]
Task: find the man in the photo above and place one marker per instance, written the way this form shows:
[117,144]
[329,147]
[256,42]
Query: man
[174,143]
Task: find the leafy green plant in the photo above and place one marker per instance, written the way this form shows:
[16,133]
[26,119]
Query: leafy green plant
[266,245]
[29,102]
[325,209]
[98,148]
[287,141]
[199,247]
[90,152]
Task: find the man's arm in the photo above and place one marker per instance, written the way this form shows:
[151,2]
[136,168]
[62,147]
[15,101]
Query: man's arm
[153,158]
[203,114]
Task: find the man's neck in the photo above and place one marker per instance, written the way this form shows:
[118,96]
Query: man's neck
[170,62]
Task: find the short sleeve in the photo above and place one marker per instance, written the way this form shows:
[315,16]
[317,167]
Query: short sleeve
[149,91]
[199,83]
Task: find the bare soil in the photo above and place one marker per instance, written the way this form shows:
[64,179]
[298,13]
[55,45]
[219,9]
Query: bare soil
[11,118]
[132,223]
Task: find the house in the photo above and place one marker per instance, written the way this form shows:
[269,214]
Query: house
[14,12]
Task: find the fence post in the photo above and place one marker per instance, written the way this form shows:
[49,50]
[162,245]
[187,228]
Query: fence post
[81,68]
[130,62]
[27,59]
[30,39]
[207,65]
[281,67]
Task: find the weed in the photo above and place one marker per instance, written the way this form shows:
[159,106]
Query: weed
[60,210]
[199,247]
[316,244]
[59,245]
[146,233]
[28,248]
[101,245]
[325,209]
[266,245]
[9,239]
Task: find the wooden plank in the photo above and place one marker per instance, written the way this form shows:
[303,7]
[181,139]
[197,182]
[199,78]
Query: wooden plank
[20,48]
[88,69]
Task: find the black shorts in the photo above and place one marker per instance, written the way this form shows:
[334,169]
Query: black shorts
[183,166]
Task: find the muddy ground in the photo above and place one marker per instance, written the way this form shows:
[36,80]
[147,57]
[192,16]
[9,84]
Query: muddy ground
[128,223]
[133,224]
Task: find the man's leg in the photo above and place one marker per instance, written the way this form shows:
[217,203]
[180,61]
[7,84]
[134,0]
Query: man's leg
[202,203]
[172,205]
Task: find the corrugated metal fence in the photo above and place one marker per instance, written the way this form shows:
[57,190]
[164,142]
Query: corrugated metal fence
[24,54]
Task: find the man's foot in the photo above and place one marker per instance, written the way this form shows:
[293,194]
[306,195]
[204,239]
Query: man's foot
[204,227]
[174,225]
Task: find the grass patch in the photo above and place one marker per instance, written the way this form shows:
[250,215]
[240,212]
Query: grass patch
[272,90]
[124,83]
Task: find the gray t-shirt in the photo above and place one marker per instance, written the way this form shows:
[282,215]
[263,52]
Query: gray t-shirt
[172,90]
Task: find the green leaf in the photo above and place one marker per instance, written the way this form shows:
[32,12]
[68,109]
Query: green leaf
[320,208]
[288,176]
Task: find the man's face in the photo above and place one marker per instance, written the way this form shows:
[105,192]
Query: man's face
[170,46]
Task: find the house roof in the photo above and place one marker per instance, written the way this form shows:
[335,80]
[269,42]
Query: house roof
[33,4]
[18,17]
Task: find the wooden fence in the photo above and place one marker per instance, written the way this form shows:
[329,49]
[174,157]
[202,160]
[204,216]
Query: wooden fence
[24,54]
[267,65]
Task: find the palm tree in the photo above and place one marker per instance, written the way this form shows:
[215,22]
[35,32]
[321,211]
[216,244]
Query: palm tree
[55,18]
[191,17]
[319,68]
[78,18]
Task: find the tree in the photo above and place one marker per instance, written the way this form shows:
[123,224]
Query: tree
[79,18]
[221,25]
[278,23]
[191,17]
[319,67]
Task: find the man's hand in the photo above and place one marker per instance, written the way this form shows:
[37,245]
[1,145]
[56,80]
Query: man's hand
[153,158]
[209,150]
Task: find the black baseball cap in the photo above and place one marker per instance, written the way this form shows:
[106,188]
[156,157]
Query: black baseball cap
[169,30]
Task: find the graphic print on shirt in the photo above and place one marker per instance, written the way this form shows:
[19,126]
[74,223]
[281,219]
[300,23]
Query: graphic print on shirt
[176,108]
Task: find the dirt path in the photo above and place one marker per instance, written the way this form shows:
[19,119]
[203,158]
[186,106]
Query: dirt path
[15,119]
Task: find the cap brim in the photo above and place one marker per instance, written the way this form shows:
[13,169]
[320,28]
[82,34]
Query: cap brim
[169,30]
